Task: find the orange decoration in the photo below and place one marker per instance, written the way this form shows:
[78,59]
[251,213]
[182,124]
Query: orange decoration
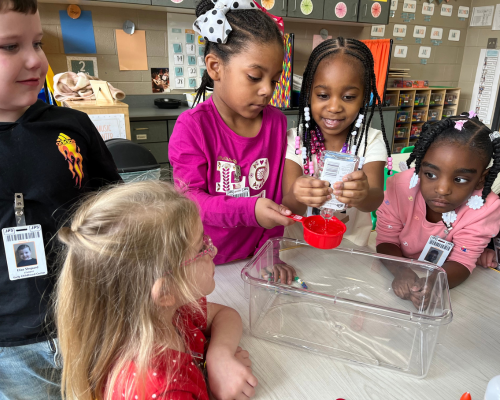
[74,11]
[466,396]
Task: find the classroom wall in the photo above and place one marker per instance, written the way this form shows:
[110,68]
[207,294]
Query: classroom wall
[477,38]
[443,67]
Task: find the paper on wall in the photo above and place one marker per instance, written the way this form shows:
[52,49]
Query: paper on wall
[131,50]
[110,126]
[399,30]
[410,6]
[394,5]
[419,31]
[485,85]
[446,10]
[400,51]
[496,19]
[454,35]
[424,52]
[482,16]
[428,9]
[378,30]
[463,12]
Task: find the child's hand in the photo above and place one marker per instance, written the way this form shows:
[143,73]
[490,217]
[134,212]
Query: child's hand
[311,191]
[487,259]
[230,376]
[353,189]
[284,272]
[403,281]
[269,214]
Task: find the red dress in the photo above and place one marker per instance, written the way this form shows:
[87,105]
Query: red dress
[175,375]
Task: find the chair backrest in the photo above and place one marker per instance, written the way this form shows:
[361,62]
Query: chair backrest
[408,149]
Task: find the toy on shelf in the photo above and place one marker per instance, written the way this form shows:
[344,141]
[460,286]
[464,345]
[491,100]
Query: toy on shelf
[433,115]
[420,99]
[405,100]
[397,147]
[415,131]
[400,132]
[436,99]
[448,112]
[450,99]
[403,116]
[418,116]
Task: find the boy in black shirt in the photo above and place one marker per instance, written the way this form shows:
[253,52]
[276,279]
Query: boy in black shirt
[52,155]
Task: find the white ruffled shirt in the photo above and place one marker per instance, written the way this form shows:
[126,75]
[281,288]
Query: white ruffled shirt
[358,223]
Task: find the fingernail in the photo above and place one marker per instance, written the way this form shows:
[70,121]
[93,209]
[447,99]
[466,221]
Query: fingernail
[288,212]
[328,197]
[337,192]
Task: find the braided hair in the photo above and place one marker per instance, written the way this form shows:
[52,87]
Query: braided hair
[248,26]
[357,51]
[474,134]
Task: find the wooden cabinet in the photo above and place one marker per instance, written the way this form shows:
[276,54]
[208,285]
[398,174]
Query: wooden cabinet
[341,10]
[278,7]
[296,8]
[374,12]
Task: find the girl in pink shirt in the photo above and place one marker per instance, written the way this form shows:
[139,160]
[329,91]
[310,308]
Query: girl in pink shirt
[447,195]
[230,150]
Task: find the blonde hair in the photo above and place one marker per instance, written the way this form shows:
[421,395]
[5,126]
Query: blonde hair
[121,241]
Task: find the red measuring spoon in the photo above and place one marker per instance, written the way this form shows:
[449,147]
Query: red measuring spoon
[319,232]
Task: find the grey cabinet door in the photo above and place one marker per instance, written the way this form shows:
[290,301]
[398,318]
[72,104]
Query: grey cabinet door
[296,8]
[278,7]
[374,12]
[341,10]
[170,3]
[143,2]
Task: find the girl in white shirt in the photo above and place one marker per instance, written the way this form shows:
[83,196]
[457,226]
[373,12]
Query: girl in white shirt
[338,83]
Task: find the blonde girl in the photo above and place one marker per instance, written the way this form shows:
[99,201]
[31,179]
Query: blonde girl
[131,310]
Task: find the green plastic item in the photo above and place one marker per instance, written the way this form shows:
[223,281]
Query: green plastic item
[408,149]
[374,213]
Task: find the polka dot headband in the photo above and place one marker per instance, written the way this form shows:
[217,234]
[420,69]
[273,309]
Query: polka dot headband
[213,25]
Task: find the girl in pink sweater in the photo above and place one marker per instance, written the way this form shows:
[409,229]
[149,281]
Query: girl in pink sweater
[447,195]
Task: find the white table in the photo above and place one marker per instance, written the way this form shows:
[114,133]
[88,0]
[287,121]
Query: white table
[467,359]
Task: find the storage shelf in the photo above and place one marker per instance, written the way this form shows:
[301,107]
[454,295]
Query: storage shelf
[440,94]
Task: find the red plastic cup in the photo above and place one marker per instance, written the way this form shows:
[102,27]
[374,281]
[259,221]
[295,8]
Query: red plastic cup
[321,233]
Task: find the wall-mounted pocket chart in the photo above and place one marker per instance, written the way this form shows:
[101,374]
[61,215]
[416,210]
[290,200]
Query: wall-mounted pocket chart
[186,51]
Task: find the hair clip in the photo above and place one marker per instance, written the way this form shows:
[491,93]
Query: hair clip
[475,202]
[472,114]
[460,124]
[494,135]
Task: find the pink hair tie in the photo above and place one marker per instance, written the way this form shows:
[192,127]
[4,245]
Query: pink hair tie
[460,124]
[472,114]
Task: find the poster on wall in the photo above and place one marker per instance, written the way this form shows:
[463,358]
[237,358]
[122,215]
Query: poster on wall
[186,51]
[428,9]
[496,19]
[463,12]
[378,30]
[482,16]
[454,35]
[399,30]
[419,31]
[110,126]
[410,6]
[400,51]
[160,80]
[394,5]
[485,85]
[436,33]
[446,10]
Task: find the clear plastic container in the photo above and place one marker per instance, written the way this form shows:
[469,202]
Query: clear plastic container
[349,310]
[403,116]
[153,174]
[448,112]
[433,115]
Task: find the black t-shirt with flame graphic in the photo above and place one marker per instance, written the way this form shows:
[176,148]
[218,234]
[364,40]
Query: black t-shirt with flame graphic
[52,155]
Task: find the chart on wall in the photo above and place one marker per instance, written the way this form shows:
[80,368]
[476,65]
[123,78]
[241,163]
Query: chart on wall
[186,51]
[485,85]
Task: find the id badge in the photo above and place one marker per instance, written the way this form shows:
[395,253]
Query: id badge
[436,251]
[24,251]
[243,192]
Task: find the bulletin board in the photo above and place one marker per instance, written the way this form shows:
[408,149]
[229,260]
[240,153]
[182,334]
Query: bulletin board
[186,51]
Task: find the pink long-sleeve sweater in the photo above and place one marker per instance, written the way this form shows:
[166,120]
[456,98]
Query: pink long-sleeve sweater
[401,220]
[205,154]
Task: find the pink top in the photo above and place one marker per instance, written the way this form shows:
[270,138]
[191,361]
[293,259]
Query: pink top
[204,154]
[401,220]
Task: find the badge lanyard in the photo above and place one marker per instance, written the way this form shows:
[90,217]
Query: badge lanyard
[24,247]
